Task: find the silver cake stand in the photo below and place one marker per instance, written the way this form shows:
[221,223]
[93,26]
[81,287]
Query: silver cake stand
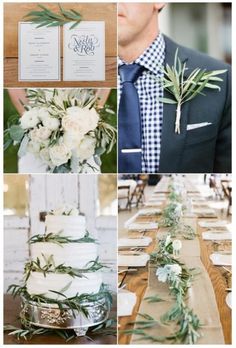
[52,317]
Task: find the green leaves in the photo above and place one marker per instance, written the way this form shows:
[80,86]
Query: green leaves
[185,89]
[59,239]
[16,133]
[48,18]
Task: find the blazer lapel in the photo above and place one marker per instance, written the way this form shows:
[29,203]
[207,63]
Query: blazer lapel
[172,144]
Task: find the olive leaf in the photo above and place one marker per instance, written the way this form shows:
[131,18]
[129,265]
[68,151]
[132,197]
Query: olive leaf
[184,89]
[48,18]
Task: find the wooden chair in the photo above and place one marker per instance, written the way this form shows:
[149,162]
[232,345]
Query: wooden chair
[137,197]
[124,195]
[227,190]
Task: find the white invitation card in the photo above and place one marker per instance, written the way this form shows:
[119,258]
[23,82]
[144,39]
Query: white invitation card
[84,51]
[39,53]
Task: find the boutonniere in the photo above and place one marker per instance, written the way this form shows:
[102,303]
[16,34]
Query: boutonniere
[185,89]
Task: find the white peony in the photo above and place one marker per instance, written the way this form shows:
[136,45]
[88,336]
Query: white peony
[29,119]
[51,123]
[59,154]
[81,120]
[86,148]
[67,209]
[72,139]
[40,134]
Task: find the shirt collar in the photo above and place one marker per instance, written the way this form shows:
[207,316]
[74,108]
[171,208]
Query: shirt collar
[152,57]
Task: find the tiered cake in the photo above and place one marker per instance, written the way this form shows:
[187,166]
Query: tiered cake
[69,250]
[63,286]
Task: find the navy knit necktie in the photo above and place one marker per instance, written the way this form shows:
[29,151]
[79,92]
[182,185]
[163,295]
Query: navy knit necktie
[129,122]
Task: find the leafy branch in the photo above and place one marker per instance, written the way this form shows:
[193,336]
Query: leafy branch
[50,267]
[184,89]
[48,18]
[179,279]
[59,239]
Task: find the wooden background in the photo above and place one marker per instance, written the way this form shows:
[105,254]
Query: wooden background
[14,13]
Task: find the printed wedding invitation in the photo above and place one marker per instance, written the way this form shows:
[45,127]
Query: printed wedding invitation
[84,51]
[39,53]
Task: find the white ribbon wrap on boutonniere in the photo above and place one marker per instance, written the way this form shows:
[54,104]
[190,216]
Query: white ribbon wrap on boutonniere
[184,89]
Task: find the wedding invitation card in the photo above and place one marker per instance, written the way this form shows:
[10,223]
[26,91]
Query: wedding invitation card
[39,53]
[84,51]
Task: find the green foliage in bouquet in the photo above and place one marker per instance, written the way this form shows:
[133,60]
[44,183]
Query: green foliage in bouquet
[66,129]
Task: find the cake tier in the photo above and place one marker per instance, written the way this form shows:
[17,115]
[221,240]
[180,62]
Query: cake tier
[70,226]
[38,284]
[76,255]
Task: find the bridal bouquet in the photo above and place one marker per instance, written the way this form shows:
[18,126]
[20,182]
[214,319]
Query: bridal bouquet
[65,128]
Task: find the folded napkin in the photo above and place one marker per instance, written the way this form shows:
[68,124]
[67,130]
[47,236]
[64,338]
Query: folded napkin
[148,212]
[216,235]
[126,302]
[135,260]
[134,242]
[221,259]
[218,223]
[139,226]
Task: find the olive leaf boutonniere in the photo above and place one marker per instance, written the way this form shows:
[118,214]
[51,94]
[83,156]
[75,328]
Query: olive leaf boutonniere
[185,89]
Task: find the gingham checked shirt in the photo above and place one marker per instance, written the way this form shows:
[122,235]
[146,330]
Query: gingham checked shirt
[149,90]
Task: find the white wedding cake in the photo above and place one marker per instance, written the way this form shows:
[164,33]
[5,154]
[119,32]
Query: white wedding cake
[64,260]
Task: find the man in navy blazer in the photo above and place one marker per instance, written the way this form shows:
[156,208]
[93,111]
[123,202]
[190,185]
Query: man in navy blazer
[204,142]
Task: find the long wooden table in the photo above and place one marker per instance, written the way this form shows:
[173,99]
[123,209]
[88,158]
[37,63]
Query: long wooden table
[137,282]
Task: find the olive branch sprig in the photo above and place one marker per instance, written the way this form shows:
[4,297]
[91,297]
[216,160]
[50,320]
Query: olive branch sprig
[59,239]
[48,18]
[185,89]
[187,322]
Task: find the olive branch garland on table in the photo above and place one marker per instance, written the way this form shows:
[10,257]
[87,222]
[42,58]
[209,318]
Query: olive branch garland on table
[179,279]
[48,18]
[171,218]
[185,89]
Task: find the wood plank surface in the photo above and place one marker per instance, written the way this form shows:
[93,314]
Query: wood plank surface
[14,13]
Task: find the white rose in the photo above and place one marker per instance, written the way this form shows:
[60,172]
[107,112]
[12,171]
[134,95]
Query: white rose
[59,154]
[51,122]
[58,211]
[177,244]
[44,155]
[33,147]
[72,139]
[29,119]
[40,134]
[43,113]
[81,120]
[86,148]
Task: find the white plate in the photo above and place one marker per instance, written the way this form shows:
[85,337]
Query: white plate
[129,260]
[139,226]
[221,259]
[228,300]
[204,211]
[153,203]
[126,302]
[219,223]
[149,211]
[216,236]
[134,242]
